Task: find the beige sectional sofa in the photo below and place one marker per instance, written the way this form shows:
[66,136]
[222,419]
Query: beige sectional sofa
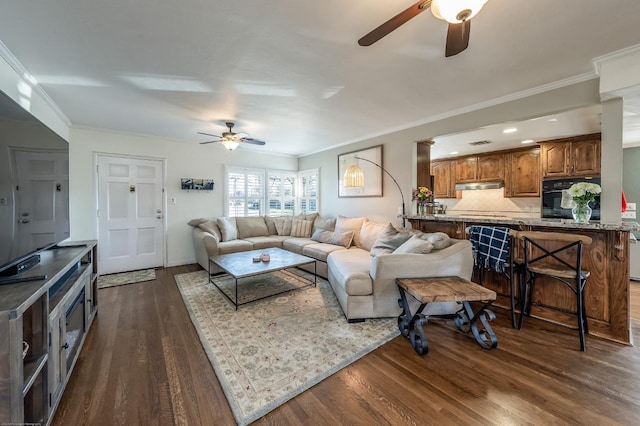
[361,259]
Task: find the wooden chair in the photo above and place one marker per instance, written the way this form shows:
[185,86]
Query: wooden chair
[558,256]
[512,271]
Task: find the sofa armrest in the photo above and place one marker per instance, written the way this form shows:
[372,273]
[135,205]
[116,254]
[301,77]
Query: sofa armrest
[205,245]
[455,260]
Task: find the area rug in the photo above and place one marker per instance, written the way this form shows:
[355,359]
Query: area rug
[271,350]
[123,278]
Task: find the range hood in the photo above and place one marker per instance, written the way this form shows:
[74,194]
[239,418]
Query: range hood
[479,185]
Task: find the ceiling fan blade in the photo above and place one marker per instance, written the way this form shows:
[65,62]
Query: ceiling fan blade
[457,38]
[206,142]
[394,23]
[241,135]
[253,141]
[209,134]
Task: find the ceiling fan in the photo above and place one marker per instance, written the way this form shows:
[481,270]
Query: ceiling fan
[457,12]
[230,139]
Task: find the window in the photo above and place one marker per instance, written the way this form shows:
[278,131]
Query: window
[249,193]
[244,192]
[281,193]
[308,191]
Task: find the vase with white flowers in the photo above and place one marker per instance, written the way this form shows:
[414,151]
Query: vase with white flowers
[582,194]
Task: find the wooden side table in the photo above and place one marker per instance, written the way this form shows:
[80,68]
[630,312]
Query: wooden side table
[446,289]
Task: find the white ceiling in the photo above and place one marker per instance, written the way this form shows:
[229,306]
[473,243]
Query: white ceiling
[291,72]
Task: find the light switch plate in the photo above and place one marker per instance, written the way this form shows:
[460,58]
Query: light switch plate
[631,206]
[629,215]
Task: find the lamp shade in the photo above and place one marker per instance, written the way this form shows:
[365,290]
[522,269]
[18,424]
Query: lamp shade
[456,11]
[354,177]
[230,145]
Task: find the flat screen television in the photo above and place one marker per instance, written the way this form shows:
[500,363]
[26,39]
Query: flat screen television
[34,189]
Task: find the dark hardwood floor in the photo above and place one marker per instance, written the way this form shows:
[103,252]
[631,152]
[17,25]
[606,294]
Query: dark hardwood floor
[142,363]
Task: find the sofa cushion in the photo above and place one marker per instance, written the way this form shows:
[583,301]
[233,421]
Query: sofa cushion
[265,242]
[301,228]
[234,246]
[351,271]
[283,225]
[251,227]
[322,236]
[345,224]
[369,233]
[309,216]
[211,226]
[320,251]
[196,222]
[389,240]
[295,245]
[228,228]
[271,225]
[414,245]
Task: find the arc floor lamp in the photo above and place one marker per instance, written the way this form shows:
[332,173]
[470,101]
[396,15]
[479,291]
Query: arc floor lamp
[354,178]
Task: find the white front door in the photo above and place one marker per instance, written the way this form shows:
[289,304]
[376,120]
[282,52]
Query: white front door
[42,198]
[130,214]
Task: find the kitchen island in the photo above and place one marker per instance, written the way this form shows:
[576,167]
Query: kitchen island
[607,258]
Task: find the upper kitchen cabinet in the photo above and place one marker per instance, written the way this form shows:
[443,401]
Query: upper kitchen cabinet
[522,173]
[479,168]
[567,157]
[443,182]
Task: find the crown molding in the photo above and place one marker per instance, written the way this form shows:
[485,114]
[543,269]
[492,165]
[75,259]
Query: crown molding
[614,56]
[27,78]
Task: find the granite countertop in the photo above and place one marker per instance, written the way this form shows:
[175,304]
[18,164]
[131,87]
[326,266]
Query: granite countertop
[505,220]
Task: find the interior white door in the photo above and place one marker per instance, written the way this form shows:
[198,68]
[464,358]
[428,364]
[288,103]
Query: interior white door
[42,198]
[130,214]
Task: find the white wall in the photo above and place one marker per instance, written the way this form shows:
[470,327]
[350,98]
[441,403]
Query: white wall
[182,159]
[399,149]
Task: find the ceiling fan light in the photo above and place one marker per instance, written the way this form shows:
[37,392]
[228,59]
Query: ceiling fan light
[452,10]
[230,145]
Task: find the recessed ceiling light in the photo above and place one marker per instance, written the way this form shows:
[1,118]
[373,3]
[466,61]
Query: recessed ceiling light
[510,130]
[553,119]
[453,152]
[527,141]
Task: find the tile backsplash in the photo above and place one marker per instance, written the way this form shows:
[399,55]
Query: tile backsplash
[492,201]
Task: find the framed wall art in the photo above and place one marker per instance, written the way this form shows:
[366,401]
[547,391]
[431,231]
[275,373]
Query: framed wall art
[360,173]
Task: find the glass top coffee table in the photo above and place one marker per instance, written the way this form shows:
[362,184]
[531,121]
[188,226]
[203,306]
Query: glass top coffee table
[241,265]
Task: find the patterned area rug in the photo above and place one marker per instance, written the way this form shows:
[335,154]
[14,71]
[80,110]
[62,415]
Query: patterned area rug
[123,278]
[271,350]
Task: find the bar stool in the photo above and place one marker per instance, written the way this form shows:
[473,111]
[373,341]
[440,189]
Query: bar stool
[542,251]
[493,248]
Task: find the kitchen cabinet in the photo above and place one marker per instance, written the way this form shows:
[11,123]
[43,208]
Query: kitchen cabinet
[490,167]
[479,168]
[443,182]
[568,157]
[522,173]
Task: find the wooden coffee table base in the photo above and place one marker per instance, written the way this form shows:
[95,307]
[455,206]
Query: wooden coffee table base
[446,289]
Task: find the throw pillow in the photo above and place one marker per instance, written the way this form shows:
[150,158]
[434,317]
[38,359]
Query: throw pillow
[283,225]
[440,240]
[301,228]
[342,239]
[322,236]
[251,227]
[414,245]
[325,224]
[346,224]
[228,228]
[211,227]
[271,225]
[389,240]
[196,222]
[369,233]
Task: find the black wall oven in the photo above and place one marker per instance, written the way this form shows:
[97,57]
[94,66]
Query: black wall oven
[552,198]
